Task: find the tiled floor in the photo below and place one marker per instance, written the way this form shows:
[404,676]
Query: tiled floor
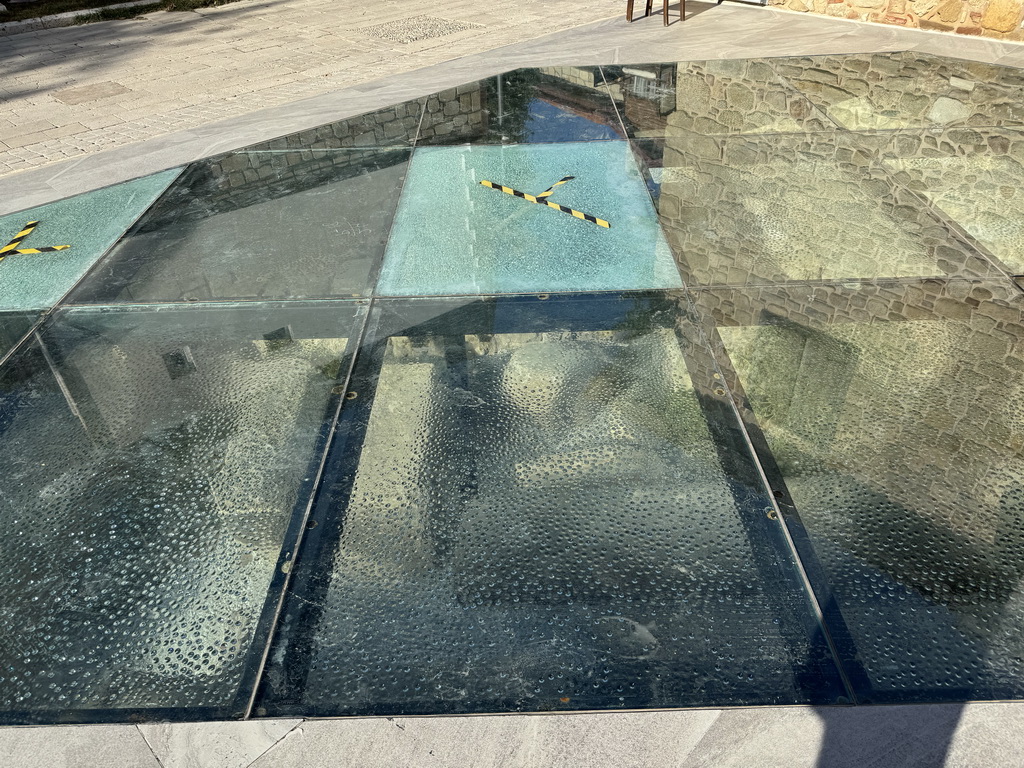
[638,386]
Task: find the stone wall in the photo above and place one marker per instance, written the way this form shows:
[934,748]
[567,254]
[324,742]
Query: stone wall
[991,18]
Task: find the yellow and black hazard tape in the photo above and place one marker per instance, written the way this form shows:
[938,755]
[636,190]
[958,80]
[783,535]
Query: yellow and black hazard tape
[12,247]
[558,183]
[541,200]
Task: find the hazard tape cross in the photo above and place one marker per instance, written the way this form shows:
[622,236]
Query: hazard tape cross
[12,247]
[541,199]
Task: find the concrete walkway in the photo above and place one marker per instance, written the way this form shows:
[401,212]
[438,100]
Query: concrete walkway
[924,736]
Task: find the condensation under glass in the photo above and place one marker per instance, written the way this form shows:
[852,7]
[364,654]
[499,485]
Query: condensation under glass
[540,519]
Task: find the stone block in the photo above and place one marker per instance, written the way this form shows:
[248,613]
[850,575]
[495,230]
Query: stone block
[935,26]
[950,10]
[1002,15]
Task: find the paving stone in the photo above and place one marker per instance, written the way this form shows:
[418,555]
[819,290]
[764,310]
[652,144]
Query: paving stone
[213,745]
[97,746]
[596,740]
[88,93]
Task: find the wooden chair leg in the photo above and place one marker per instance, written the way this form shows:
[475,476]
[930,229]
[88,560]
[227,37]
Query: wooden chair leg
[647,12]
[682,9]
[629,10]
[664,12]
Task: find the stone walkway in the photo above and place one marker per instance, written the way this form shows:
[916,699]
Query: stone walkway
[921,736]
[77,90]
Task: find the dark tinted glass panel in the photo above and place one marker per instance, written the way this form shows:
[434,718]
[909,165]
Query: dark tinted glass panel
[393,126]
[13,326]
[541,504]
[526,105]
[152,462]
[892,417]
[269,225]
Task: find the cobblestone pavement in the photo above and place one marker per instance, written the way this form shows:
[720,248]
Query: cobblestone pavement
[77,90]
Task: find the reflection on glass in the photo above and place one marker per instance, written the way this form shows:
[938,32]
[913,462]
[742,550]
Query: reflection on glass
[906,90]
[741,96]
[976,178]
[540,519]
[393,126]
[749,210]
[895,416]
[152,461]
[523,106]
[268,225]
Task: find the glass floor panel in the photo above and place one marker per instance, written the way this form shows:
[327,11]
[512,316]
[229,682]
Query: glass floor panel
[335,428]
[795,207]
[160,457]
[454,235]
[975,177]
[524,106]
[266,225]
[891,418]
[14,326]
[393,126]
[712,98]
[87,224]
[906,89]
[533,511]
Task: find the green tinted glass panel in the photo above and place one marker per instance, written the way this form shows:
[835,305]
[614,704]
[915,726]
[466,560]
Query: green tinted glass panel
[88,223]
[453,235]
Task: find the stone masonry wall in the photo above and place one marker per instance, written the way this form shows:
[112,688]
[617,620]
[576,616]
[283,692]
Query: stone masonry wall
[991,18]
